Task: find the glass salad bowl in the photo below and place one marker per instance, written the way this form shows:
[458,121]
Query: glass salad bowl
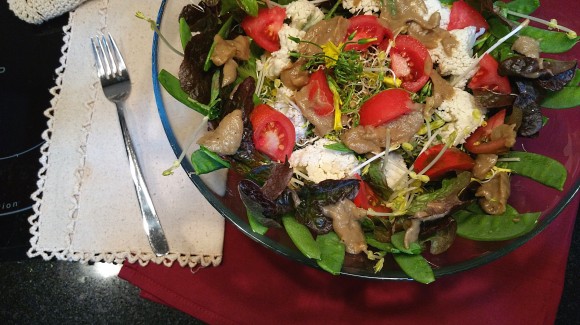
[559,139]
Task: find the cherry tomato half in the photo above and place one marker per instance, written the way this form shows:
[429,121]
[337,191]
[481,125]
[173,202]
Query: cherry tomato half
[479,142]
[367,199]
[264,28]
[462,15]
[274,134]
[411,62]
[452,159]
[319,94]
[385,106]
[487,77]
[366,26]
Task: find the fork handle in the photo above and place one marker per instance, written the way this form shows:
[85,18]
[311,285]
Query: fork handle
[151,222]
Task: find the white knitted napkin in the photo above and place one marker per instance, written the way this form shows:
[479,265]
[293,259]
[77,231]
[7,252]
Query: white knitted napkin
[86,207]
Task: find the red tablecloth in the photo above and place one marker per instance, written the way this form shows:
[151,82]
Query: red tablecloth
[256,286]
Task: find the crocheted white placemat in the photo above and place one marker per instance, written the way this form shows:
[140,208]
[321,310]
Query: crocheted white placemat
[86,207]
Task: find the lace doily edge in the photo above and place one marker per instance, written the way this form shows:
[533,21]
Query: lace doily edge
[143,258]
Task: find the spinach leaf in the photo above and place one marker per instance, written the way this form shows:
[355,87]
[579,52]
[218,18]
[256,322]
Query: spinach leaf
[172,85]
[184,32]
[249,6]
[301,237]
[255,224]
[247,69]
[525,7]
[376,179]
[550,41]
[385,247]
[206,161]
[228,6]
[223,32]
[537,167]
[338,146]
[568,97]
[398,241]
[415,266]
[449,187]
[331,252]
[475,224]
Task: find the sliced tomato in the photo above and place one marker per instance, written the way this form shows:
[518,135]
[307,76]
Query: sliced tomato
[452,159]
[488,78]
[411,62]
[264,28]
[319,94]
[385,106]
[463,15]
[479,142]
[367,199]
[274,134]
[366,26]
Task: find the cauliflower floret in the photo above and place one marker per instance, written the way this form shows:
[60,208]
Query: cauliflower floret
[434,6]
[279,60]
[461,58]
[285,33]
[396,171]
[303,14]
[462,116]
[320,163]
[286,106]
[367,7]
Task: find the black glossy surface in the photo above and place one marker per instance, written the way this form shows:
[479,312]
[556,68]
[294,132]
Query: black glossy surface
[35,291]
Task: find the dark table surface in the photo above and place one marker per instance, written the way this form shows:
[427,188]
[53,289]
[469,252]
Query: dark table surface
[38,291]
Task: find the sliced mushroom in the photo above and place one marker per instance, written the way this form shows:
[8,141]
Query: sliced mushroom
[494,194]
[345,216]
[527,46]
[227,137]
[483,165]
[364,139]
[230,72]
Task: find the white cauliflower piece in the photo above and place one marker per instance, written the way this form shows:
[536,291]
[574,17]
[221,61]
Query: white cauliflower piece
[461,58]
[285,33]
[434,6]
[367,7]
[396,171]
[275,63]
[462,116]
[286,106]
[303,14]
[320,163]
[279,60]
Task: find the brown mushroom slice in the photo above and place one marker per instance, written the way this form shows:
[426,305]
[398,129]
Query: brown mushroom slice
[364,139]
[527,46]
[230,72]
[494,194]
[227,137]
[483,165]
[223,51]
[345,215]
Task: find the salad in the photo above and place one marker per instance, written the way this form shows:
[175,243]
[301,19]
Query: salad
[379,128]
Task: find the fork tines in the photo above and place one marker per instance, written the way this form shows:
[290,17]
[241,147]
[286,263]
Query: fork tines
[110,64]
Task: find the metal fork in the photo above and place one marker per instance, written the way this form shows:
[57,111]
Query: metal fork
[116,85]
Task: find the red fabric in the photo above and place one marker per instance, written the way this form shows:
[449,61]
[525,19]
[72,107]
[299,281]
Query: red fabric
[256,286]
